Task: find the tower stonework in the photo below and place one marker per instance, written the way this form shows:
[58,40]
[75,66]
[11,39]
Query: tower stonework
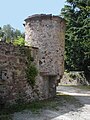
[47,33]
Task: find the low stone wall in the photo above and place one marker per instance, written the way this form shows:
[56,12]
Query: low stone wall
[74,78]
[13,83]
[14,87]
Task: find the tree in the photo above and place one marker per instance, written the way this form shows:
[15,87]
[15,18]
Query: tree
[9,34]
[77,48]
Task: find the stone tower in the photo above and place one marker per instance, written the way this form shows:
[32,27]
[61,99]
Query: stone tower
[47,33]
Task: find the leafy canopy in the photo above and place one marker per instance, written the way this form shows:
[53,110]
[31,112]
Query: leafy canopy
[9,34]
[77,48]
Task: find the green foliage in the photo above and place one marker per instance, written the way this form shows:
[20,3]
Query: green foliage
[31,70]
[9,34]
[19,41]
[77,48]
[1,33]
[31,74]
[5,117]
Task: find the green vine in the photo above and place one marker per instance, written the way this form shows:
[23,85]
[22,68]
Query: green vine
[31,70]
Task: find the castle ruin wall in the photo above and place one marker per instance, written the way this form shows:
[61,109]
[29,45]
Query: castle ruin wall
[47,33]
[44,37]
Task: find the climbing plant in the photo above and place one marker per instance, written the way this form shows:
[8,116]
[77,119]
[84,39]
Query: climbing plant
[31,70]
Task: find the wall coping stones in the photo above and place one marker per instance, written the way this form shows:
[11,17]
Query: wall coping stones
[17,46]
[42,17]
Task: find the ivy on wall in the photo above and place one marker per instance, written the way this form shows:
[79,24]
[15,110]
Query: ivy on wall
[31,71]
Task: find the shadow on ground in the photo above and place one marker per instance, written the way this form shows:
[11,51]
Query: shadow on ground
[62,107]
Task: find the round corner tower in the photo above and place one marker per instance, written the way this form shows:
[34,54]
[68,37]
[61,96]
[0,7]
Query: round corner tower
[47,33]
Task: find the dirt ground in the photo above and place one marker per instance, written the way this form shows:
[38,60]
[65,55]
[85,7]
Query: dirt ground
[64,112]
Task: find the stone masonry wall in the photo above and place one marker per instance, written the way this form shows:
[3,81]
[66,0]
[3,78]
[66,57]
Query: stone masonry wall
[13,81]
[47,32]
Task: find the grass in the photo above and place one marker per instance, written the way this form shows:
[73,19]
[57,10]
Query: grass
[83,87]
[67,99]
[59,101]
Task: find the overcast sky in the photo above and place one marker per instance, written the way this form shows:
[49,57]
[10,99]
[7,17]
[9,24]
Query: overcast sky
[14,12]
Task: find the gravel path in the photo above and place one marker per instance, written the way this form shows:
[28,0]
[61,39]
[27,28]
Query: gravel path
[65,112]
[83,96]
